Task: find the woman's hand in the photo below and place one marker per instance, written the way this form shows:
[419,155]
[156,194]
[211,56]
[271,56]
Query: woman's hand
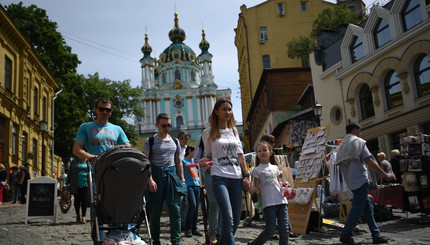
[204,162]
[152,185]
[246,184]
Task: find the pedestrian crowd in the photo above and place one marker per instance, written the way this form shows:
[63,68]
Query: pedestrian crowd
[215,168]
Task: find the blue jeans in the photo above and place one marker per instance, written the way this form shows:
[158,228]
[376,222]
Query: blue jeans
[184,209]
[213,211]
[272,213]
[193,195]
[228,193]
[361,202]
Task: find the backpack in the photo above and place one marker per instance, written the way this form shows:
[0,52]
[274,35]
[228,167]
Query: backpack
[122,175]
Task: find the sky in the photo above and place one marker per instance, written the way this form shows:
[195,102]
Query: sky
[108,35]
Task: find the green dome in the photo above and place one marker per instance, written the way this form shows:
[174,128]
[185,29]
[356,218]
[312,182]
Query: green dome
[204,45]
[146,49]
[177,34]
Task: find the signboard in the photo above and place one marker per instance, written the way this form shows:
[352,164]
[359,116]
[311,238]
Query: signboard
[41,199]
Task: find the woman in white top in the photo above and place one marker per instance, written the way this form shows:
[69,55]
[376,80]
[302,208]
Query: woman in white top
[229,171]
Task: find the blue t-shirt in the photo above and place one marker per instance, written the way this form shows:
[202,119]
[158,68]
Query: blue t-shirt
[190,174]
[163,151]
[355,173]
[99,138]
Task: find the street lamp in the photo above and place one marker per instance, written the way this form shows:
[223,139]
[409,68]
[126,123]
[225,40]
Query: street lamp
[318,112]
[43,125]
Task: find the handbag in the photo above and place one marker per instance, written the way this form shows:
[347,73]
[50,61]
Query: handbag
[65,202]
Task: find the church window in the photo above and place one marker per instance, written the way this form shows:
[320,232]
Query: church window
[393,91]
[382,33]
[366,102]
[422,75]
[193,75]
[411,14]
[163,78]
[177,75]
[179,121]
[357,49]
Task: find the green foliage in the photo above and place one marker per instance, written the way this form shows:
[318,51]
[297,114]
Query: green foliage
[301,48]
[75,104]
[332,18]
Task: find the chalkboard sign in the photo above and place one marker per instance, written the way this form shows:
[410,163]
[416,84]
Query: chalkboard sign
[41,199]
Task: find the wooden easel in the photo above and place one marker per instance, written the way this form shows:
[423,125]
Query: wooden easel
[299,214]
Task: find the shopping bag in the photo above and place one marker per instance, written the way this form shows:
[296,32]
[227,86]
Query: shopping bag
[65,202]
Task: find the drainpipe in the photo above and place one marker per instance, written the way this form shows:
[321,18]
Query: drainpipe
[52,150]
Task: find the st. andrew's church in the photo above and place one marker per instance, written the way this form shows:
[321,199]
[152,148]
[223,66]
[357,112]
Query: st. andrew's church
[178,83]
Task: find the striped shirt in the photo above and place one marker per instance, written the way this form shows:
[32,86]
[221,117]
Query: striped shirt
[163,151]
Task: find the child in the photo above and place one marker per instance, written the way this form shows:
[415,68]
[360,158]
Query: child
[267,181]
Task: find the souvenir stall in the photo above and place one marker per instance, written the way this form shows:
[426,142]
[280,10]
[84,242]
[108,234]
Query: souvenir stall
[304,194]
[415,170]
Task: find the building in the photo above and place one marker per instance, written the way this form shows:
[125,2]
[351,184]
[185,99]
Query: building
[377,74]
[179,83]
[27,90]
[261,39]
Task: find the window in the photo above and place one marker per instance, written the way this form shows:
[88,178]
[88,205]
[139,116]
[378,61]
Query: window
[281,9]
[336,114]
[193,75]
[263,34]
[366,102]
[304,6]
[35,152]
[382,33]
[179,121]
[393,91]
[395,139]
[35,101]
[14,140]
[266,62]
[8,73]
[357,50]
[177,75]
[163,77]
[411,14]
[24,147]
[422,75]
[44,108]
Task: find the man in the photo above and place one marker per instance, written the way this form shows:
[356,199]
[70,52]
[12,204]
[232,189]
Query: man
[354,158]
[24,176]
[98,136]
[386,166]
[183,138]
[166,182]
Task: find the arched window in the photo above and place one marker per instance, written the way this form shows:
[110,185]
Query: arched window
[366,102]
[177,75]
[179,121]
[357,49]
[163,78]
[411,14]
[422,75]
[393,91]
[193,75]
[382,33]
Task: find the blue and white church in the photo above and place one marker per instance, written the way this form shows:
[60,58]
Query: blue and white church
[178,83]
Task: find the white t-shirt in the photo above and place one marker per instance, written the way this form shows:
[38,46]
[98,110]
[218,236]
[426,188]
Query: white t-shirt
[271,192]
[224,152]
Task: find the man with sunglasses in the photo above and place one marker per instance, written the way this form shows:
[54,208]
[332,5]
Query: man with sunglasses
[99,135]
[167,181]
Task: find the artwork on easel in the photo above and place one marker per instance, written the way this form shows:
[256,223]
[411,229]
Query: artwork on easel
[414,203]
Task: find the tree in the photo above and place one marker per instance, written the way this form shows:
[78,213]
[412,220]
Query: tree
[301,48]
[332,18]
[75,103]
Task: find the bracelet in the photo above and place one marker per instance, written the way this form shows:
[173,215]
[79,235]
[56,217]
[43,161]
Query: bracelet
[183,181]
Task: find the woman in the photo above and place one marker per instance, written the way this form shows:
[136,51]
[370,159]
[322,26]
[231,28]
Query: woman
[3,175]
[77,181]
[229,171]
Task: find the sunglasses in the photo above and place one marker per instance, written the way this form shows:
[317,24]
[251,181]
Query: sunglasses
[102,109]
[166,125]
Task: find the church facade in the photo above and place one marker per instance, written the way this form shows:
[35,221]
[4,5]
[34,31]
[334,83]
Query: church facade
[179,83]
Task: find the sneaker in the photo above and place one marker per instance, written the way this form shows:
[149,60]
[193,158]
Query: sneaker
[197,233]
[188,233]
[380,240]
[347,240]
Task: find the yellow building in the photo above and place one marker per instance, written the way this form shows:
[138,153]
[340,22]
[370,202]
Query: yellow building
[377,74]
[261,39]
[26,96]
